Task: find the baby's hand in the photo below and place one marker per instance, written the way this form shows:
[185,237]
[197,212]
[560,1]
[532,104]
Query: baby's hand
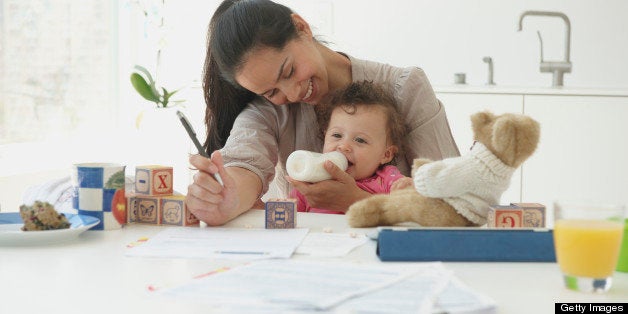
[402,183]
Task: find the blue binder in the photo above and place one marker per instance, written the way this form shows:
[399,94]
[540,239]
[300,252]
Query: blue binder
[465,244]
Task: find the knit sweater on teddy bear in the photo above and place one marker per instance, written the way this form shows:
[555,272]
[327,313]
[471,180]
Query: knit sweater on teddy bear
[469,183]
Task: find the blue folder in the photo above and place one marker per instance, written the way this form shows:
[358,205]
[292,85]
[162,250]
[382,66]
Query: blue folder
[465,244]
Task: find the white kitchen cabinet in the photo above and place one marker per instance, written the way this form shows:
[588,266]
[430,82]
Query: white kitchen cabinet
[583,152]
[460,107]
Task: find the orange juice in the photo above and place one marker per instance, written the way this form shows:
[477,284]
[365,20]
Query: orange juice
[587,248]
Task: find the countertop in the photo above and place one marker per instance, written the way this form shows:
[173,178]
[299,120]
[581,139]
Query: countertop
[91,274]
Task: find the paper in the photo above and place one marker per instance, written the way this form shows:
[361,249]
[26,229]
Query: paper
[221,243]
[459,298]
[415,294]
[282,286]
[330,244]
[434,290]
[289,285]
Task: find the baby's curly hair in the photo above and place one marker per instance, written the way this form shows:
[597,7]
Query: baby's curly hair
[368,94]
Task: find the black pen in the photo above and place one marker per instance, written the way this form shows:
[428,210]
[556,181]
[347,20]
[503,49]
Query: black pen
[192,134]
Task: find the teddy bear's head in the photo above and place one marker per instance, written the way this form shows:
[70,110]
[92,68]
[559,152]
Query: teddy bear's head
[510,137]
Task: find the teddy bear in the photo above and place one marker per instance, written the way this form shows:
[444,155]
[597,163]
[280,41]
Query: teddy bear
[457,191]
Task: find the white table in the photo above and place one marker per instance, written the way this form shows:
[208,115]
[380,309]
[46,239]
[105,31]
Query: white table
[92,275]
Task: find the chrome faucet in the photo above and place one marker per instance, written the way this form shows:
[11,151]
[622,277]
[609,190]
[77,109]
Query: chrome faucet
[489,60]
[558,68]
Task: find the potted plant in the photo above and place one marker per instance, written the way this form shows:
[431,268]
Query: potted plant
[144,84]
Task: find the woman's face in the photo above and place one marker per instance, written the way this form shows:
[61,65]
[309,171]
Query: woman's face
[362,137]
[296,73]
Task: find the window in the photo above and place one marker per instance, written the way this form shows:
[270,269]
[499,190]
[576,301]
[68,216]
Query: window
[56,65]
[58,74]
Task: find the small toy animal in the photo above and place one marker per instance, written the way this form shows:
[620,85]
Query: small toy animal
[457,191]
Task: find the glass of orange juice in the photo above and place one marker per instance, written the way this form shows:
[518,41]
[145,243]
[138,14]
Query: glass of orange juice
[587,239]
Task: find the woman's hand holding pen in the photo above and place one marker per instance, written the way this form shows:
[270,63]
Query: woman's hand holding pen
[207,199]
[337,193]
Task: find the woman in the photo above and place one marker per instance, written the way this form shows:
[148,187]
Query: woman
[264,73]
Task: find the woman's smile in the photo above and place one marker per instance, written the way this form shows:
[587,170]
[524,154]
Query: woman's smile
[310,90]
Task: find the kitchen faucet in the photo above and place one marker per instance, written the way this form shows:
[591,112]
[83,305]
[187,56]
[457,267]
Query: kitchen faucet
[558,68]
[489,60]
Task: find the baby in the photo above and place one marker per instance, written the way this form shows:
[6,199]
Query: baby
[362,123]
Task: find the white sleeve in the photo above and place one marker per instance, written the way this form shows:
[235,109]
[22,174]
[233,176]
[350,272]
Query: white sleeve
[429,135]
[253,143]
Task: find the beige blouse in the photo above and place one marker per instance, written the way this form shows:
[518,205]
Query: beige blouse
[264,135]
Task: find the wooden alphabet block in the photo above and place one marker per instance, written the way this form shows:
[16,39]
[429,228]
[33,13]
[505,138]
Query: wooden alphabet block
[533,214]
[131,208]
[153,180]
[504,216]
[160,210]
[281,213]
[175,212]
[148,210]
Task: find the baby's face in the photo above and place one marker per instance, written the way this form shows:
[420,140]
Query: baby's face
[361,137]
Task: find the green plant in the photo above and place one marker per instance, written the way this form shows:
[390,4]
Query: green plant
[144,84]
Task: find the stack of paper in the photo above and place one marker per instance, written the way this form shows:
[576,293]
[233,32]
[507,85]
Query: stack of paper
[275,286]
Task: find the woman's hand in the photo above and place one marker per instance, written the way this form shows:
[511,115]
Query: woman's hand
[207,199]
[337,193]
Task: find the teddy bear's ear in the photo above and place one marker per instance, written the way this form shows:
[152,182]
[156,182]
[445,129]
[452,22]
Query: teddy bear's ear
[516,138]
[480,119]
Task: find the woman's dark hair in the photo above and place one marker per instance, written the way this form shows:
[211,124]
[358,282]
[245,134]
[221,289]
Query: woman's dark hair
[236,28]
[364,93]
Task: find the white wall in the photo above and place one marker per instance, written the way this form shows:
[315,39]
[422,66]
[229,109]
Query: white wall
[443,37]
[448,36]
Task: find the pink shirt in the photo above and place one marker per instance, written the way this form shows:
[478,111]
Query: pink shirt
[379,183]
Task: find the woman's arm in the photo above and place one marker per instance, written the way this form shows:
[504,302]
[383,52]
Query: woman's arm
[429,133]
[215,204]
[248,162]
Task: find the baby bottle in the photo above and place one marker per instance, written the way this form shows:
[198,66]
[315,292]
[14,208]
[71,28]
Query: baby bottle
[307,166]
